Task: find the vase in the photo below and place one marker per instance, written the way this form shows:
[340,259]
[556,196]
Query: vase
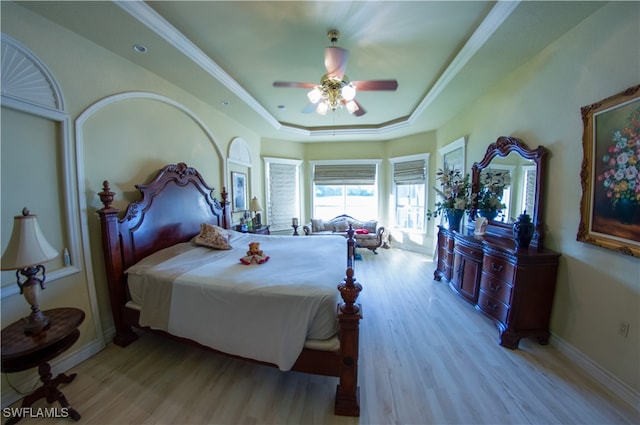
[489,214]
[523,231]
[625,210]
[454,217]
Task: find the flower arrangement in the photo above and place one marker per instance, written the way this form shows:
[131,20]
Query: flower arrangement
[455,192]
[621,176]
[492,185]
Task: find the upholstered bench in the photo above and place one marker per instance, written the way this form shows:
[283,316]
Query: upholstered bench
[368,233]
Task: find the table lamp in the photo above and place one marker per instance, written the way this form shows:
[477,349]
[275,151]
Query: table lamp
[255,207]
[26,250]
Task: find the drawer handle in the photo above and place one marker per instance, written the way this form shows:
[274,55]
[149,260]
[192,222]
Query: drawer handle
[496,268]
[492,307]
[495,288]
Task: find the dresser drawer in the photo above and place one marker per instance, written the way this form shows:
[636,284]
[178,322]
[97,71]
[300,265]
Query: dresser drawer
[493,307]
[496,287]
[501,269]
[468,252]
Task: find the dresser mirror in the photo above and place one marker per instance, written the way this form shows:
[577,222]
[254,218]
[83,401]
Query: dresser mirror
[515,174]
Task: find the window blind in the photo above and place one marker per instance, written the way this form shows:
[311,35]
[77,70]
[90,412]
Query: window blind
[282,196]
[530,191]
[347,174]
[409,172]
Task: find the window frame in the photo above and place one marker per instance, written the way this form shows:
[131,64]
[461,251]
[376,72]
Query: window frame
[376,184]
[425,157]
[297,191]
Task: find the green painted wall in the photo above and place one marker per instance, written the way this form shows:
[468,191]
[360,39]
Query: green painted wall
[126,141]
[540,103]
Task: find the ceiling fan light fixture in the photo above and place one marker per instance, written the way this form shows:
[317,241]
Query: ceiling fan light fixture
[322,108]
[352,106]
[335,91]
[348,92]
[315,95]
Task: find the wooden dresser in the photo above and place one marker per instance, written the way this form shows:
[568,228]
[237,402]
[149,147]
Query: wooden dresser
[514,288]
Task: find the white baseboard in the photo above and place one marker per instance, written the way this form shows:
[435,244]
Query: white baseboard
[60,364]
[606,379]
[109,334]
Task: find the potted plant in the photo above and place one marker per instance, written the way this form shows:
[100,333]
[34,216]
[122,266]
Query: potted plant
[455,197]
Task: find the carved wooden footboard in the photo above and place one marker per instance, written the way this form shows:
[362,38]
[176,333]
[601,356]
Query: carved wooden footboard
[172,207]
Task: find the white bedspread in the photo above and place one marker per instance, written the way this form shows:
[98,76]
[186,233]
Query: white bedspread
[263,312]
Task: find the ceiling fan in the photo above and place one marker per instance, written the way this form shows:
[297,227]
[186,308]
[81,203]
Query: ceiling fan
[335,89]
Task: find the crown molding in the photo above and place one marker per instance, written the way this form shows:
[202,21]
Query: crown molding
[152,20]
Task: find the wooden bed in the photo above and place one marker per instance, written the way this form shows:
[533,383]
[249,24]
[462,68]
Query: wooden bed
[171,210]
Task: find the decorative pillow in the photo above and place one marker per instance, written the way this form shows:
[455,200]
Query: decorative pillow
[213,237]
[317,225]
[362,231]
[371,226]
[341,226]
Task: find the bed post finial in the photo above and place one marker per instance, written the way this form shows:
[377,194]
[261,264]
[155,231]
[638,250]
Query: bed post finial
[111,249]
[226,211]
[347,402]
[349,290]
[106,196]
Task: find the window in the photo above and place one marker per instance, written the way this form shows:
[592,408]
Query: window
[410,182]
[528,200]
[345,188]
[283,192]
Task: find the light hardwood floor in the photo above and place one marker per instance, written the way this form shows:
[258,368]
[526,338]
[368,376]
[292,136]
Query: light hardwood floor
[426,357]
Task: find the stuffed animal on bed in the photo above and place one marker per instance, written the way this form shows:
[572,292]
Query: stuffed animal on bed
[254,254]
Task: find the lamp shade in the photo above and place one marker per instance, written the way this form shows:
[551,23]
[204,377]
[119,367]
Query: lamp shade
[27,246]
[255,205]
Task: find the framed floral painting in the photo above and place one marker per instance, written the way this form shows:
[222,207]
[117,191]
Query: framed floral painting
[610,175]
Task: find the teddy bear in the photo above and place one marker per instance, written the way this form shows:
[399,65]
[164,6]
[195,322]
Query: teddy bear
[254,254]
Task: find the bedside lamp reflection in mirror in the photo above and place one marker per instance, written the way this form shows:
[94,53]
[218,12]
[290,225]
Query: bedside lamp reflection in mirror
[26,250]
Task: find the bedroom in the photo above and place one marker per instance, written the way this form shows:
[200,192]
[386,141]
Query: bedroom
[539,102]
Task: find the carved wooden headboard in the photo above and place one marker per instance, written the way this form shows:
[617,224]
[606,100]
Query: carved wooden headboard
[173,206]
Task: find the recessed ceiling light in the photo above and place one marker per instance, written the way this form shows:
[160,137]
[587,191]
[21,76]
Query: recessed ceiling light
[282,107]
[139,48]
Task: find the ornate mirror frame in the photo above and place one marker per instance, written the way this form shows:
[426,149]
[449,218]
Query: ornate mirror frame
[503,147]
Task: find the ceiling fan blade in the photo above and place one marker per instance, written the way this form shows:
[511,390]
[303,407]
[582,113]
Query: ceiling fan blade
[291,84]
[390,85]
[361,111]
[335,60]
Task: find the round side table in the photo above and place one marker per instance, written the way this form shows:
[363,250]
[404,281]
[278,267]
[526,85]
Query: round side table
[21,352]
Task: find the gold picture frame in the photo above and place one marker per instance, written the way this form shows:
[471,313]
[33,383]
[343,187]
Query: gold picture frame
[610,174]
